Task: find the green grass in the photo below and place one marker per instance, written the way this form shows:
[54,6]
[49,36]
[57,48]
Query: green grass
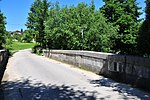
[16,46]
[84,68]
[21,46]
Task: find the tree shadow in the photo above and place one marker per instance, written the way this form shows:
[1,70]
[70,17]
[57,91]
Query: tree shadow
[27,90]
[1,93]
[121,88]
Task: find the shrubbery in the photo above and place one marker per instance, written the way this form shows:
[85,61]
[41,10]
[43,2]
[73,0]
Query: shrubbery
[37,49]
[2,29]
[17,37]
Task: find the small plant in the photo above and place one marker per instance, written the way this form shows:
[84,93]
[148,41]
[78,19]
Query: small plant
[17,37]
[84,68]
[37,49]
[8,44]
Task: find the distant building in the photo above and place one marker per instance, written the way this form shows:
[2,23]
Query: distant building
[16,32]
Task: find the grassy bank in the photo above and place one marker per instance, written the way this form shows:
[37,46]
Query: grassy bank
[15,46]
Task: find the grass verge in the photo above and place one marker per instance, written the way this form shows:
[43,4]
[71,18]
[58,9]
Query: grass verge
[16,46]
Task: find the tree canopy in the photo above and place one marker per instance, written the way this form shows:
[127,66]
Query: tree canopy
[124,14]
[2,29]
[144,33]
[64,27]
[36,19]
[112,28]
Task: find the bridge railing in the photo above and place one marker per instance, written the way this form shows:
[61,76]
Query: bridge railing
[129,69]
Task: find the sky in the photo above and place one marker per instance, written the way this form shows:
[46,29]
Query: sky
[16,11]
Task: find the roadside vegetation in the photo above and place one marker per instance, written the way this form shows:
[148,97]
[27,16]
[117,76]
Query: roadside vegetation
[14,42]
[2,29]
[15,46]
[112,28]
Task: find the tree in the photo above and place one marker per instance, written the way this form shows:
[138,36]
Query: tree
[28,36]
[100,34]
[63,28]
[52,29]
[36,18]
[123,14]
[144,33]
[21,30]
[2,29]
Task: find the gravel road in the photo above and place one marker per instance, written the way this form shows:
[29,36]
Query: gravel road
[32,77]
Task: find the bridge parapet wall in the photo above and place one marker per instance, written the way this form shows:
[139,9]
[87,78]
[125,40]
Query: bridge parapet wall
[129,69]
[3,61]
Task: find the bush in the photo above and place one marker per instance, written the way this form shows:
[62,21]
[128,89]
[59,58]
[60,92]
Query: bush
[28,36]
[8,44]
[17,37]
[37,49]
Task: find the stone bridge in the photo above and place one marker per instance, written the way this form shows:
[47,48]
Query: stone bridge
[32,77]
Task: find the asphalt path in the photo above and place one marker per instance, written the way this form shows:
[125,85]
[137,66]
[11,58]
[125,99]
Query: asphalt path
[32,77]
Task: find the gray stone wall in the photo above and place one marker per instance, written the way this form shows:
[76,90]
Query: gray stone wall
[3,61]
[124,68]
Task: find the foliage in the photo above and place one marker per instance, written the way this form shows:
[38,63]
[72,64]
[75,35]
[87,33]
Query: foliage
[15,46]
[144,34]
[17,37]
[63,28]
[123,14]
[28,36]
[36,18]
[21,30]
[113,28]
[37,49]
[2,29]
[8,41]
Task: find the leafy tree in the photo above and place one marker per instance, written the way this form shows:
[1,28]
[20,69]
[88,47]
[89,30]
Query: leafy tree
[100,34]
[21,30]
[144,33]
[17,37]
[52,26]
[36,19]
[63,28]
[2,29]
[123,14]
[8,41]
[28,36]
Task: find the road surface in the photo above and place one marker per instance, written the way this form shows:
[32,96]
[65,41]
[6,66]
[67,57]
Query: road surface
[32,77]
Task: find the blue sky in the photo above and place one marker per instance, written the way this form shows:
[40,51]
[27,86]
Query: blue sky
[16,11]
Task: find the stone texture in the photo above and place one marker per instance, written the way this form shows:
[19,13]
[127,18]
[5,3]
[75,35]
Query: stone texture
[3,61]
[129,69]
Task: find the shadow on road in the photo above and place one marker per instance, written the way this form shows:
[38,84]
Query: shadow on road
[26,90]
[124,89]
[1,93]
